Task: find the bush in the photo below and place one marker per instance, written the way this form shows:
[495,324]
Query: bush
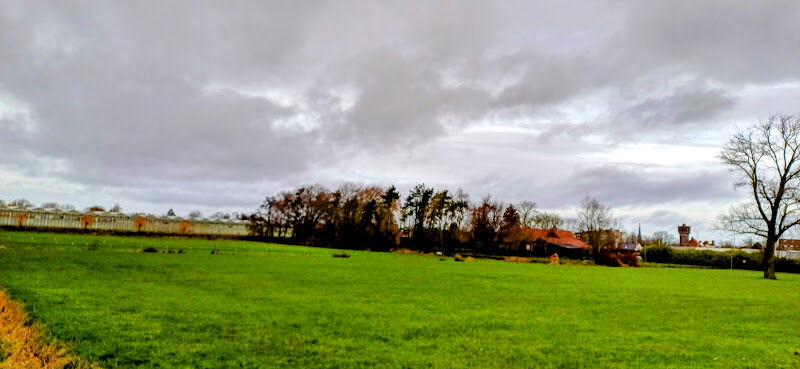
[149,249]
[787,265]
[617,258]
[630,258]
[717,259]
[609,258]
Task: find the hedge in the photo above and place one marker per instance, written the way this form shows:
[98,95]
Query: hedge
[716,259]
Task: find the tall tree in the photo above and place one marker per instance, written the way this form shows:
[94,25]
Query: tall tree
[527,213]
[388,230]
[440,214]
[306,210]
[511,232]
[417,208]
[593,218]
[766,157]
[486,221]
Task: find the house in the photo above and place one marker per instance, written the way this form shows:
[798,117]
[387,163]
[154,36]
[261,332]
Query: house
[635,247]
[553,240]
[788,244]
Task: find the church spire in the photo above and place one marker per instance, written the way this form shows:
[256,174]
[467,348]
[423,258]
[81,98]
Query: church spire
[639,239]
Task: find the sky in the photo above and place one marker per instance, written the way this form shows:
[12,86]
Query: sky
[212,105]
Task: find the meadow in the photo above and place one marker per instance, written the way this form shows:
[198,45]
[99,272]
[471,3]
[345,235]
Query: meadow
[225,304]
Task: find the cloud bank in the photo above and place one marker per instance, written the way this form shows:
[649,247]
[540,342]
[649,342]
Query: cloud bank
[208,104]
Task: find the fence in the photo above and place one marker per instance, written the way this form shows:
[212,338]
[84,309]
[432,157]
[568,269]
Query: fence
[99,221]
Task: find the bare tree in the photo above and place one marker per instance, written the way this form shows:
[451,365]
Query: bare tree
[593,218]
[527,213]
[662,238]
[50,206]
[21,204]
[548,220]
[195,214]
[766,157]
[569,224]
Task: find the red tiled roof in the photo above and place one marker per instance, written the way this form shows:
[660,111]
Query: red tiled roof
[556,236]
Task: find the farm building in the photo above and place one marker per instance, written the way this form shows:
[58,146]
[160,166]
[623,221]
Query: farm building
[118,222]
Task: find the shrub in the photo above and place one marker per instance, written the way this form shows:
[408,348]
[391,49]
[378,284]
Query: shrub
[787,265]
[149,249]
[617,258]
[717,259]
[630,258]
[611,259]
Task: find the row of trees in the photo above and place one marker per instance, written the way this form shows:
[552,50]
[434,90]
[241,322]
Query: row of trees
[372,217]
[376,218]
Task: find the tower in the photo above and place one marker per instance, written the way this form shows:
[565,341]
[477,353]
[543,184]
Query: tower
[639,238]
[683,231]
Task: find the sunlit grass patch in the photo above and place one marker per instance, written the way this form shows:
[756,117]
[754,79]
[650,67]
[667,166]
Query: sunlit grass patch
[257,305]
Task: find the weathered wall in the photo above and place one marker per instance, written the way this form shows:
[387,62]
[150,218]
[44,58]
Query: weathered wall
[118,222]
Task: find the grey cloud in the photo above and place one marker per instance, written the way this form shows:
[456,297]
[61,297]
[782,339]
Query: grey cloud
[126,93]
[211,194]
[620,186]
[553,79]
[742,42]
[403,101]
[691,104]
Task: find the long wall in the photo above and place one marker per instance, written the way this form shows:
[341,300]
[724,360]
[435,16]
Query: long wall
[118,222]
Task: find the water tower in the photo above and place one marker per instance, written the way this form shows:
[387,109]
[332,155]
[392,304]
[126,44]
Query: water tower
[683,231]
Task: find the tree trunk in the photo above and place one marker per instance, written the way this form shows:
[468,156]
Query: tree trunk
[769,259]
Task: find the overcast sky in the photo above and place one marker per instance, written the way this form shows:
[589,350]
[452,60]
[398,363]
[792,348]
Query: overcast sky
[213,105]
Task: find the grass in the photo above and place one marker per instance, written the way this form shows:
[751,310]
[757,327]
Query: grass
[255,305]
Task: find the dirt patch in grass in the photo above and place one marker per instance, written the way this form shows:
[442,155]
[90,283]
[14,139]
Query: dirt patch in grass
[23,346]
[518,259]
[408,251]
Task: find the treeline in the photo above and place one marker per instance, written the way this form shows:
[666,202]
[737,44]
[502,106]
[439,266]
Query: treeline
[370,217]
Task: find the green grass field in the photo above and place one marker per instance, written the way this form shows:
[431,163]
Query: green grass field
[258,305]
